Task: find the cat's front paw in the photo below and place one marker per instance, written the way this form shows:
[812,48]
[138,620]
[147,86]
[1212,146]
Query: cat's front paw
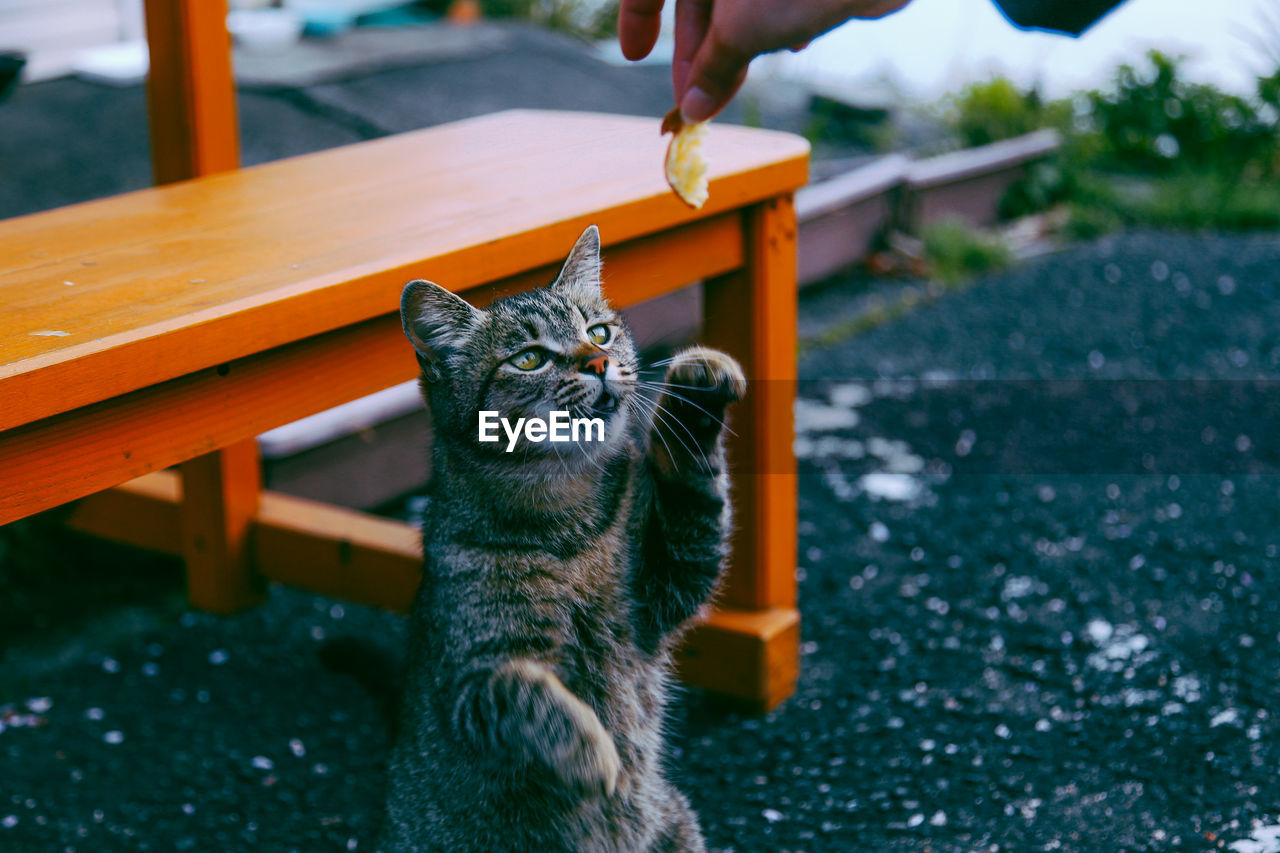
[707,374]
[689,417]
[591,764]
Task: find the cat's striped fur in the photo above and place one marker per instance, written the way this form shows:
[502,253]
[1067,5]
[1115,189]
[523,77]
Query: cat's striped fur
[557,579]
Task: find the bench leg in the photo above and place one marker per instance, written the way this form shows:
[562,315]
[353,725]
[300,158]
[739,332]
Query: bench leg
[220,496]
[751,313]
[191,97]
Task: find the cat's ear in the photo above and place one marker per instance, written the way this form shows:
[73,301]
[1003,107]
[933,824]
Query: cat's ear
[434,320]
[581,271]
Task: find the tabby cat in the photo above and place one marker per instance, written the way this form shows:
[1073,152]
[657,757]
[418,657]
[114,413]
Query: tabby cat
[557,576]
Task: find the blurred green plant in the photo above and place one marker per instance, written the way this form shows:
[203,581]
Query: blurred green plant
[834,122]
[588,19]
[1185,199]
[1153,120]
[995,109]
[1152,148]
[955,252]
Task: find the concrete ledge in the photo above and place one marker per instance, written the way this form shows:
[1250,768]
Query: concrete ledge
[984,160]
[842,219]
[828,197]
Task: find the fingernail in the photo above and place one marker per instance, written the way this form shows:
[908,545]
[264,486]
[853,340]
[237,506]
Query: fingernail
[697,105]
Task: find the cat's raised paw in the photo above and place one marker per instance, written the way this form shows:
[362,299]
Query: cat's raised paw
[702,371]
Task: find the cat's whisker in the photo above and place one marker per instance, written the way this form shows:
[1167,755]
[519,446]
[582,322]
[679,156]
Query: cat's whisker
[668,418]
[666,389]
[587,456]
[653,411]
[686,387]
[646,409]
[697,449]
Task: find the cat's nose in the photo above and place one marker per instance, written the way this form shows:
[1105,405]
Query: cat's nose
[597,364]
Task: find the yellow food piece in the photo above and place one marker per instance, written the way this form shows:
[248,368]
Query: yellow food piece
[686,167]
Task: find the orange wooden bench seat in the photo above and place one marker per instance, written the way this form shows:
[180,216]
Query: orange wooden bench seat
[153,328]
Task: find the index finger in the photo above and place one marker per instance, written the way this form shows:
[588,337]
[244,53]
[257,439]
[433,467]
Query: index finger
[638,25]
[693,19]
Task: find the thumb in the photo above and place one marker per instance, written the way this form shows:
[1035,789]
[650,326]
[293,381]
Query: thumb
[715,75]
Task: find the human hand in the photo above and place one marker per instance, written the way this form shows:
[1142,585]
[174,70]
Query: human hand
[715,40]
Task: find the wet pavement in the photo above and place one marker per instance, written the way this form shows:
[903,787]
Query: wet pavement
[1068,648]
[1072,646]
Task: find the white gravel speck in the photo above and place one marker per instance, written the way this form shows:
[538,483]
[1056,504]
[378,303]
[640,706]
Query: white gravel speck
[939,818]
[263,763]
[218,657]
[94,714]
[915,820]
[771,815]
[828,447]
[9,821]
[849,395]
[1187,688]
[113,737]
[890,487]
[110,665]
[896,455]
[39,704]
[878,531]
[1226,717]
[1018,586]
[1263,839]
[297,748]
[812,416]
[1002,731]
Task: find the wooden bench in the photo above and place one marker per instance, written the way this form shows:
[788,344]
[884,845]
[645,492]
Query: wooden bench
[168,327]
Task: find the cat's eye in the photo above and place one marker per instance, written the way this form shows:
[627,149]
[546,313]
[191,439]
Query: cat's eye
[530,359]
[599,334]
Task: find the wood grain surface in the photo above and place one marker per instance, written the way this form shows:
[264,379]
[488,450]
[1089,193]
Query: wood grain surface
[106,297]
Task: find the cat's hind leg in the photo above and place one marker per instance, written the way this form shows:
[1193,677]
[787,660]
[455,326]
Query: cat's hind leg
[681,833]
[522,708]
